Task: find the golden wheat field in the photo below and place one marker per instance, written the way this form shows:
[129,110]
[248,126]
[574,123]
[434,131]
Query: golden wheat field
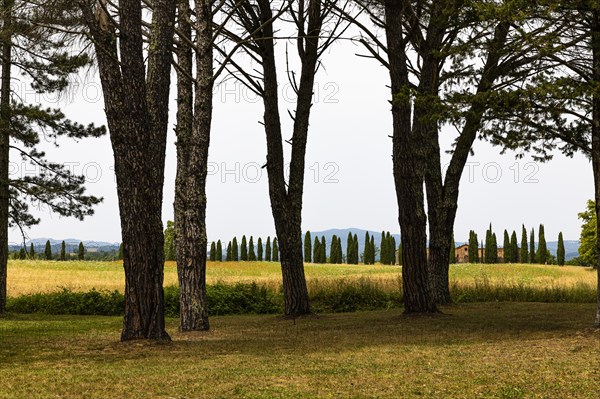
[27,277]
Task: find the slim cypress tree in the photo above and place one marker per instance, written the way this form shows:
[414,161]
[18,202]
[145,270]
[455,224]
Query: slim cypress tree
[244,250]
[333,250]
[48,251]
[383,249]
[453,251]
[31,251]
[234,250]
[372,250]
[251,253]
[323,250]
[350,249]
[560,252]
[219,254]
[542,253]
[340,251]
[307,247]
[81,252]
[213,252]
[532,257]
[473,247]
[488,251]
[63,251]
[366,255]
[392,246]
[275,250]
[507,248]
[259,250]
[317,251]
[494,248]
[356,250]
[228,256]
[524,254]
[514,247]
[268,249]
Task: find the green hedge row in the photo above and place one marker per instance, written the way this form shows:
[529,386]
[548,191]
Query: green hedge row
[256,299]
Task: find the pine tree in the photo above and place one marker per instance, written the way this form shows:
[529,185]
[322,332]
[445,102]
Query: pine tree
[31,251]
[48,251]
[524,254]
[507,248]
[219,254]
[275,250]
[268,249]
[81,252]
[317,251]
[560,252]
[251,253]
[542,252]
[228,255]
[453,251]
[63,251]
[514,247]
[307,247]
[532,257]
[244,250]
[323,250]
[259,250]
[213,252]
[234,250]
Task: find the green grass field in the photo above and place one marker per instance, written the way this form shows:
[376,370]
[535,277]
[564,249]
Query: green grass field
[486,350]
[27,277]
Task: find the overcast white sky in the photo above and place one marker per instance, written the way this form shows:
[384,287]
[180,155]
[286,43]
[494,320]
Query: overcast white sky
[349,177]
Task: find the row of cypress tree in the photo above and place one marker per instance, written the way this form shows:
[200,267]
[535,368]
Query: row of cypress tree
[526,253]
[47,254]
[245,251]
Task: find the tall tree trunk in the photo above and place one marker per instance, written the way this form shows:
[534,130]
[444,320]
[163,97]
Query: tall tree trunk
[4,146]
[193,135]
[408,161]
[136,99]
[596,139]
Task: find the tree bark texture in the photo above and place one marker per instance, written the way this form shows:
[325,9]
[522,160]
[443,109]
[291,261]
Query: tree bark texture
[136,99]
[194,116]
[596,139]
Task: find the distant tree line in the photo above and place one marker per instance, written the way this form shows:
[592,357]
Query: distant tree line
[62,255]
[487,251]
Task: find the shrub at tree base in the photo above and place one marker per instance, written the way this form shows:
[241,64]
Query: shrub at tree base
[326,297]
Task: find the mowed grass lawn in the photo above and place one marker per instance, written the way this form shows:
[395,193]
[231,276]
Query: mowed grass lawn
[485,350]
[28,277]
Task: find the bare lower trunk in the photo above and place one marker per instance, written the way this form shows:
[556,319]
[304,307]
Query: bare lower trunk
[193,134]
[408,160]
[5,150]
[439,266]
[596,142]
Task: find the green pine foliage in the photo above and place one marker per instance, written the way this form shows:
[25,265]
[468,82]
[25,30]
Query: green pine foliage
[524,254]
[259,250]
[275,250]
[542,252]
[560,252]
[268,250]
[244,250]
[213,252]
[251,253]
[307,247]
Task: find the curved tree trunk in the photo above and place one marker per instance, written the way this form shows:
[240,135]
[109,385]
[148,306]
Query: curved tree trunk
[193,135]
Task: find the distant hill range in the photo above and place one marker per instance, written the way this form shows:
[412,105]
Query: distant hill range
[571,247]
[71,245]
